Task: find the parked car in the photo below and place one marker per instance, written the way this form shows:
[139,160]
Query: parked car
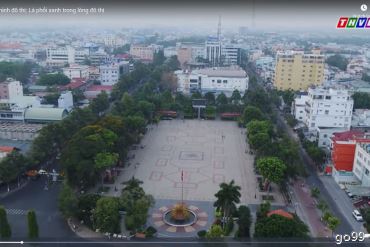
[356,214]
[350,194]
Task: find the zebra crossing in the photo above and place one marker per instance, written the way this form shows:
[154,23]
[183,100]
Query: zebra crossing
[16,211]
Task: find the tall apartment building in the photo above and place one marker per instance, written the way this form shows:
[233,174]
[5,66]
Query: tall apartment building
[328,108]
[361,167]
[143,52]
[298,71]
[110,73]
[231,54]
[213,51]
[215,80]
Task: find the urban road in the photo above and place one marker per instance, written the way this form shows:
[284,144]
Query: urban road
[347,223]
[313,180]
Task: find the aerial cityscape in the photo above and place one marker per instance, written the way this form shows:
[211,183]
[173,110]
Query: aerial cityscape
[176,125]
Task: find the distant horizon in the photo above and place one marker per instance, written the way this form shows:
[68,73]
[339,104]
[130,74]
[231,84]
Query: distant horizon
[274,16]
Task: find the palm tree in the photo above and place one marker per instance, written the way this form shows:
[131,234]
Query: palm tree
[132,183]
[227,197]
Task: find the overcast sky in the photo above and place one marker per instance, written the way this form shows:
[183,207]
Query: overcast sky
[269,15]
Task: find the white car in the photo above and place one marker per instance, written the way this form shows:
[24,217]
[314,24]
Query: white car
[357,215]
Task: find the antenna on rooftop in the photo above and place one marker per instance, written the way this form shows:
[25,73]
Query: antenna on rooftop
[219,28]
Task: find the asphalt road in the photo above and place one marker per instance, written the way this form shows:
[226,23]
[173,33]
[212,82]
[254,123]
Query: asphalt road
[45,203]
[313,180]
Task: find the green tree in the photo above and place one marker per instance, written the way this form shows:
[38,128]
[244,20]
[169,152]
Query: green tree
[53,79]
[260,141]
[12,166]
[104,161]
[33,228]
[210,97]
[315,192]
[122,49]
[215,232]
[51,99]
[221,99]
[78,158]
[277,226]
[5,230]
[263,210]
[159,58]
[100,103]
[252,113]
[361,100]
[235,97]
[256,126]
[227,197]
[67,201]
[244,221]
[338,61]
[106,215]
[19,71]
[136,203]
[333,223]
[86,206]
[272,169]
[196,95]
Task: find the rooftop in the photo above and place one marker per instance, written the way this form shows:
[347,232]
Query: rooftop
[100,88]
[45,114]
[6,149]
[347,135]
[223,72]
[281,213]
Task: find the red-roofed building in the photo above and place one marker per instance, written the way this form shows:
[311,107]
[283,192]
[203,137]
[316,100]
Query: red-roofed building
[123,56]
[4,150]
[76,83]
[281,213]
[343,146]
[94,90]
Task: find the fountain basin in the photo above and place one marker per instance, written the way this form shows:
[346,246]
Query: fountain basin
[169,220]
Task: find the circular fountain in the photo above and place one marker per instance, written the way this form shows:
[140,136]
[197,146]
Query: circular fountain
[179,215]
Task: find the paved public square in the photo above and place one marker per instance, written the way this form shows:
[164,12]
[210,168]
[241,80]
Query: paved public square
[207,152]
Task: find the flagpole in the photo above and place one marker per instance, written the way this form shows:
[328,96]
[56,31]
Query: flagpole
[182,187]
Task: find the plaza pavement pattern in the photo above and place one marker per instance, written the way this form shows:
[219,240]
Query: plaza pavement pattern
[207,153]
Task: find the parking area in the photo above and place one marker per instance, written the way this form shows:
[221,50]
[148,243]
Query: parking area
[343,201]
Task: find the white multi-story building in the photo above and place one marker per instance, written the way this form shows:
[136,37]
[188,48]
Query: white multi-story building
[76,71]
[213,51]
[110,73]
[361,166]
[298,107]
[215,80]
[230,54]
[328,108]
[170,51]
[62,55]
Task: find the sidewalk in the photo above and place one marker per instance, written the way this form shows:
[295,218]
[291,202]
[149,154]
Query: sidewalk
[81,230]
[13,188]
[307,203]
